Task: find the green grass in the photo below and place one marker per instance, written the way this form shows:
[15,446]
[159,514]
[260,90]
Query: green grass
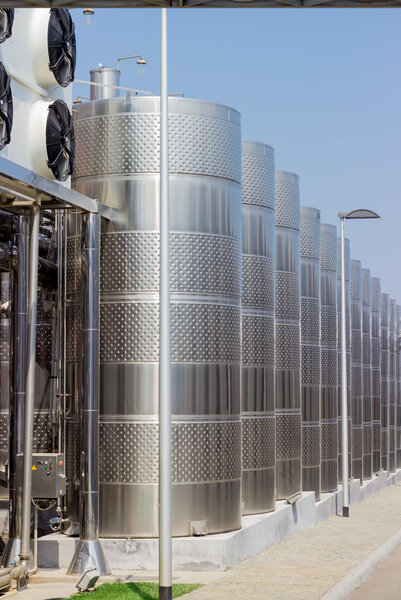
[133,591]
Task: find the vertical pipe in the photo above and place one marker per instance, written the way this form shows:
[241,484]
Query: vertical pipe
[165,528]
[89,553]
[344,400]
[19,282]
[25,553]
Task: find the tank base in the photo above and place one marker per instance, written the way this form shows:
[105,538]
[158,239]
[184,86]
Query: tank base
[88,555]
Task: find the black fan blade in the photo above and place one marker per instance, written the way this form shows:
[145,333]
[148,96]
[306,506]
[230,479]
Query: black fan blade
[61,45]
[6,107]
[60,140]
[6,23]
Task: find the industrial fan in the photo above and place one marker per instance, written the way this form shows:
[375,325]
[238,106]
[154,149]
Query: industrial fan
[60,142]
[6,23]
[6,107]
[61,45]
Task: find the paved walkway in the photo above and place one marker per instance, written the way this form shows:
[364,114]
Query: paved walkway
[385,583]
[308,565]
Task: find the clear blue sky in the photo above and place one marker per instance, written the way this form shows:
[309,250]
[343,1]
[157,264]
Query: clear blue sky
[323,86]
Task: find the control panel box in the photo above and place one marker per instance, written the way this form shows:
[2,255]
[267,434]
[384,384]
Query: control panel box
[48,475]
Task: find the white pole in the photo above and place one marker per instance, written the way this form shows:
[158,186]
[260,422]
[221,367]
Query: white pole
[344,399]
[165,530]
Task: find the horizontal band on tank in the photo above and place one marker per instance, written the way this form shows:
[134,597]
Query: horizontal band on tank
[135,418]
[259,415]
[153,298]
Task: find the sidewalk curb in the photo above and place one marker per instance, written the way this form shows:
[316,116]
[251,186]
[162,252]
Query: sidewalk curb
[355,578]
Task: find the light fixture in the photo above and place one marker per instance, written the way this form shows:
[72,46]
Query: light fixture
[88,580]
[88,12]
[78,99]
[141,62]
[141,66]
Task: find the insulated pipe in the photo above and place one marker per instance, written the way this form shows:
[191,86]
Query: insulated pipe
[25,552]
[165,512]
[17,382]
[89,553]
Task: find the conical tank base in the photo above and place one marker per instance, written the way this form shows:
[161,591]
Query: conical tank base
[11,553]
[88,555]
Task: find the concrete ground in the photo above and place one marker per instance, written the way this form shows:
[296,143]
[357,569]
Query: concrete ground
[385,583]
[305,567]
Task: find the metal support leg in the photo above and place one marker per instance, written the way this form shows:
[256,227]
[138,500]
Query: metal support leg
[19,284]
[89,553]
[25,552]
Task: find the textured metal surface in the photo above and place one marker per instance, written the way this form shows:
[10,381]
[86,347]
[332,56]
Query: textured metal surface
[384,385]
[329,358]
[310,349]
[392,381]
[258,348]
[122,169]
[288,338]
[356,385]
[367,374]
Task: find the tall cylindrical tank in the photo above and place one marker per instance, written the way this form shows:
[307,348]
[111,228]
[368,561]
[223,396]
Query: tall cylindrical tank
[43,433]
[288,336]
[4,378]
[392,380]
[117,161]
[258,300]
[347,272]
[398,385]
[384,385]
[329,400]
[376,366]
[356,368]
[367,374]
[310,348]
[103,77]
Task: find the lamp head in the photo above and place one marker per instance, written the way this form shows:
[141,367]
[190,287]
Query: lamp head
[88,12]
[141,62]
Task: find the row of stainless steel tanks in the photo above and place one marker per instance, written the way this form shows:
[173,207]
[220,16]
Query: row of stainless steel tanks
[254,327]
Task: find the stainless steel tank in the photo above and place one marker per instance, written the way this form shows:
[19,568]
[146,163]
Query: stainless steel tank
[258,301]
[43,428]
[4,379]
[356,368]
[329,357]
[347,262]
[392,380]
[310,348]
[117,161]
[288,332]
[398,385]
[367,374]
[376,366]
[384,386]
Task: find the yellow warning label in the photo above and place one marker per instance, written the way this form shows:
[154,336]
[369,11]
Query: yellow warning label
[33,468]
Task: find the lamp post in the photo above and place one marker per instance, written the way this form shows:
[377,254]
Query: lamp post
[165,529]
[361,213]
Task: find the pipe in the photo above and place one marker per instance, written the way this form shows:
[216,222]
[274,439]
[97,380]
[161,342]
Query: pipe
[89,553]
[25,552]
[17,382]
[165,527]
[344,399]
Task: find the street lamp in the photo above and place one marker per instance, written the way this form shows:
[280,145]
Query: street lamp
[360,213]
[141,63]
